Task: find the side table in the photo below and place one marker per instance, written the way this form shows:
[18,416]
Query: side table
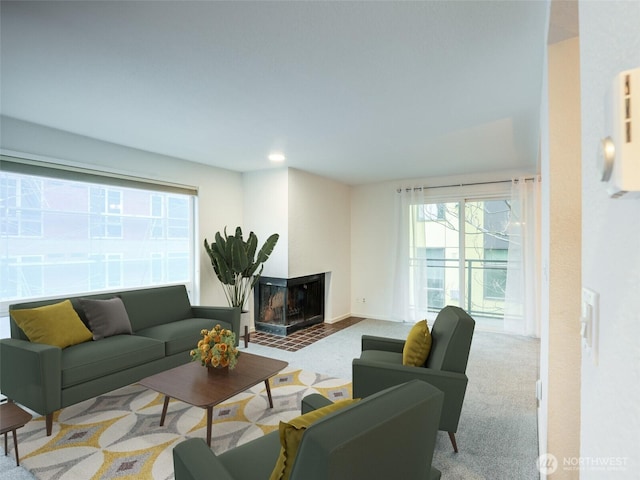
[12,417]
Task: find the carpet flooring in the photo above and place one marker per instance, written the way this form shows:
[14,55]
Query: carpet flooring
[497,435]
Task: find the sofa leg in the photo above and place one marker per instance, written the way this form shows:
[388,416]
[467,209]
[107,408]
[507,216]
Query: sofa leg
[246,336]
[49,422]
[452,437]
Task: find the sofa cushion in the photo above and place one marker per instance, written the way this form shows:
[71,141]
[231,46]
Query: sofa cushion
[390,358]
[57,324]
[88,361]
[106,317]
[291,434]
[416,348]
[181,335]
[149,307]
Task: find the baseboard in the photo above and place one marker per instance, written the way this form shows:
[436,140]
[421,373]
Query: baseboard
[372,317]
[360,315]
[337,319]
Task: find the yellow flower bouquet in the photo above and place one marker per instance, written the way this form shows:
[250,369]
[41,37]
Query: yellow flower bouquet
[217,348]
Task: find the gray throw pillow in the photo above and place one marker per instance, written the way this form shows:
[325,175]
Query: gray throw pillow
[106,317]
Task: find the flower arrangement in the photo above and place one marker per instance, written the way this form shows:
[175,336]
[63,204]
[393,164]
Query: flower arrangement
[217,348]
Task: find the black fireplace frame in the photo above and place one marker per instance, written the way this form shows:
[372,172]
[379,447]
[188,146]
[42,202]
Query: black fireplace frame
[310,315]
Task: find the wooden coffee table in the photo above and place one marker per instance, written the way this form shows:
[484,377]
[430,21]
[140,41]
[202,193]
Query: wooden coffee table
[193,384]
[12,417]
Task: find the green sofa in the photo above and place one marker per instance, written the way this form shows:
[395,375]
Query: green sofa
[391,434]
[165,327]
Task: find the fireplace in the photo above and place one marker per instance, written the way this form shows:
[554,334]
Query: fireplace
[284,305]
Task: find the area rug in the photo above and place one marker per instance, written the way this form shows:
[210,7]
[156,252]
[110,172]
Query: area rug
[118,436]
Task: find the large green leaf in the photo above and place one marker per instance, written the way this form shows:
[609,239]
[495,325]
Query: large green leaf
[234,264]
[207,248]
[224,273]
[220,244]
[255,278]
[239,234]
[239,259]
[267,248]
[252,245]
[210,252]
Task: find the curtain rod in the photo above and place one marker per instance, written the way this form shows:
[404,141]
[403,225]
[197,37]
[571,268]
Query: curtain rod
[527,179]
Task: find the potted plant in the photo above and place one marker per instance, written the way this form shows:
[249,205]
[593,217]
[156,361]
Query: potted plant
[236,265]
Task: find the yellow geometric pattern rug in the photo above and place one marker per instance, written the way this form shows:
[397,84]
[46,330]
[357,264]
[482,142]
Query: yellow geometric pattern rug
[118,436]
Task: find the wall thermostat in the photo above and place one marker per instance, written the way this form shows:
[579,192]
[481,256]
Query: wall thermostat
[619,155]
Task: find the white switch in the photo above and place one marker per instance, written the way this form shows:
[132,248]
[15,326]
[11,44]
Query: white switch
[585,329]
[589,323]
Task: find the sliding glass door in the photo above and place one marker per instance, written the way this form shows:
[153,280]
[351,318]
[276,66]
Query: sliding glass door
[461,255]
[438,251]
[485,260]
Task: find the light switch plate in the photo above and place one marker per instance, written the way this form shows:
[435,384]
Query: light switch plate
[590,318]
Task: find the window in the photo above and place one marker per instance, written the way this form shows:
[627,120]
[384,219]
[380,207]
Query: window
[172,224]
[157,223]
[495,273]
[21,276]
[67,236]
[106,209]
[157,268]
[465,255]
[177,209]
[105,271]
[430,212]
[435,258]
[20,204]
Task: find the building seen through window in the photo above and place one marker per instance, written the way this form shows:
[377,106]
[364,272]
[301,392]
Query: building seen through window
[60,237]
[461,259]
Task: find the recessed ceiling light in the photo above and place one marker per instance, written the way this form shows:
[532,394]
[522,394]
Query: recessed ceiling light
[276,157]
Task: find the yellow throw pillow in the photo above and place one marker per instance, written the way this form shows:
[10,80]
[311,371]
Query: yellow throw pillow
[418,345]
[291,434]
[56,324]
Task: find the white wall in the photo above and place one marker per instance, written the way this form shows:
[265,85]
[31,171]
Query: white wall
[372,251]
[266,198]
[610,414]
[266,201]
[220,196]
[320,236]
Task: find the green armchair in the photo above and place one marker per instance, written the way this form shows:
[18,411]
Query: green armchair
[391,434]
[380,365]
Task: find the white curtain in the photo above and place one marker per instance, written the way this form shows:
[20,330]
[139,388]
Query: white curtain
[522,296]
[409,300]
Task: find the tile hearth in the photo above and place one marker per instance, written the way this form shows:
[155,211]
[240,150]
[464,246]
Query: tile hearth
[302,338]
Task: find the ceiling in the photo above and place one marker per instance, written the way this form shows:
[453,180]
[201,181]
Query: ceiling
[359,92]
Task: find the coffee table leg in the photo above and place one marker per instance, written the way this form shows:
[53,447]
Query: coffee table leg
[15,444]
[266,384]
[209,422]
[164,409]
